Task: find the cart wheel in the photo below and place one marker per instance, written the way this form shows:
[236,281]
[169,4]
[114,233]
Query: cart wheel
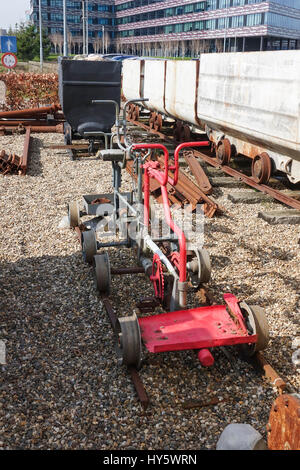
[102,269]
[223,152]
[261,168]
[73,214]
[129,345]
[67,134]
[256,322]
[89,245]
[205,265]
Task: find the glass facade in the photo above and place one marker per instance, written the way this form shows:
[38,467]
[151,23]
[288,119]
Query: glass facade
[157,20]
[100,14]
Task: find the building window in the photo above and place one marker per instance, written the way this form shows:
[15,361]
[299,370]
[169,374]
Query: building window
[237,21]
[224,4]
[254,20]
[188,26]
[238,3]
[169,12]
[168,29]
[212,5]
[178,28]
[56,17]
[280,21]
[188,8]
[210,24]
[199,25]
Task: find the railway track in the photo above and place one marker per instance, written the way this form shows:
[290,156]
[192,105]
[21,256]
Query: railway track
[258,362]
[208,158]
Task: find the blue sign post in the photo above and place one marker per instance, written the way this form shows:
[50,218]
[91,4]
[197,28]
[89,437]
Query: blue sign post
[8,44]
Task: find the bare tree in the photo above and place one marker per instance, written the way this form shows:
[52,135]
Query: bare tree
[107,41]
[70,42]
[54,38]
[183,48]
[97,43]
[60,43]
[219,45]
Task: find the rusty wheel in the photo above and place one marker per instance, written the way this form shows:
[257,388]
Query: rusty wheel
[186,133]
[261,168]
[223,152]
[178,131]
[152,120]
[158,122]
[135,113]
[130,111]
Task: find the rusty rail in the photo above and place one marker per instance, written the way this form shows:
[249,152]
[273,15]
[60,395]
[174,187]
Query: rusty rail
[25,156]
[270,373]
[55,129]
[278,195]
[135,377]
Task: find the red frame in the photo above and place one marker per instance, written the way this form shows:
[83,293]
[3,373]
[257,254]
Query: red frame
[196,328]
[153,170]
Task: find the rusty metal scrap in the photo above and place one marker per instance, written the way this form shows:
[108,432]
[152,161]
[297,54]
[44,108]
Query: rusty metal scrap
[17,121]
[193,194]
[25,90]
[201,403]
[185,192]
[197,171]
[270,373]
[284,423]
[30,112]
[12,163]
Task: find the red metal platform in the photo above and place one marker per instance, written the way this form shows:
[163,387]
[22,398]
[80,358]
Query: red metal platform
[196,328]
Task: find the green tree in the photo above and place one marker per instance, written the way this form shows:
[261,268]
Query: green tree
[28,42]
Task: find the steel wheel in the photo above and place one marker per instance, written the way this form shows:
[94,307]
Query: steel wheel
[89,245]
[223,152]
[73,214]
[205,265]
[261,168]
[67,134]
[129,345]
[256,322]
[102,270]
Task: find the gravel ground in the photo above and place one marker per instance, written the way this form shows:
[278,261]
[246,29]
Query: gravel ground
[61,387]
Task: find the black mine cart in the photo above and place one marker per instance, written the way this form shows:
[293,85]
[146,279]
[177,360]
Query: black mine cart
[80,83]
